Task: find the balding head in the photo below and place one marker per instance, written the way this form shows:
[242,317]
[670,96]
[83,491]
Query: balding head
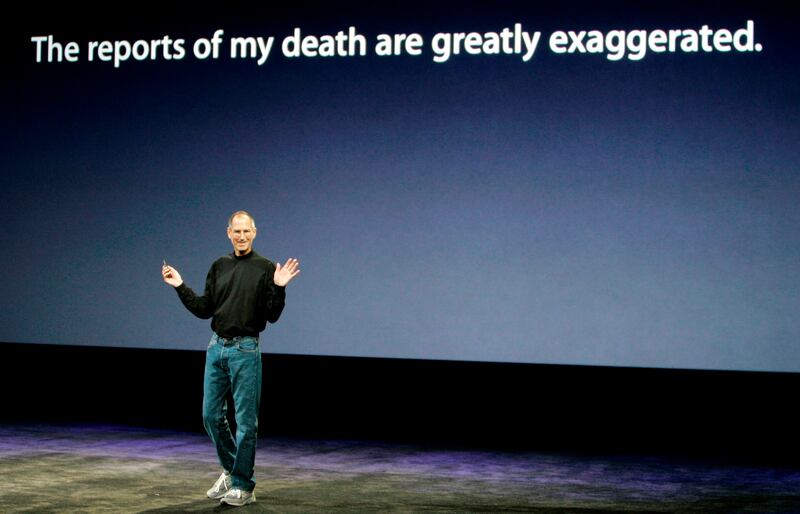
[241,214]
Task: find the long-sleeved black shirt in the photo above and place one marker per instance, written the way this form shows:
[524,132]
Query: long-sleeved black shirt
[240,296]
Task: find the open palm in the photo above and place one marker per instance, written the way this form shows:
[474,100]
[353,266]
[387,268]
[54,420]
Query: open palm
[284,274]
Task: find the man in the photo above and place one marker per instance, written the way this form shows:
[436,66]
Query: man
[244,291]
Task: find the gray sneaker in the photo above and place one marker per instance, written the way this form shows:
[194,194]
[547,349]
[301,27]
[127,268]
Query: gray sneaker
[238,497]
[220,487]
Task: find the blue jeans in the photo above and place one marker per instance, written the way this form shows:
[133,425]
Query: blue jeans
[233,365]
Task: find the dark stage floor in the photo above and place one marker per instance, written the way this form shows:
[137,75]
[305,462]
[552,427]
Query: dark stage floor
[124,469]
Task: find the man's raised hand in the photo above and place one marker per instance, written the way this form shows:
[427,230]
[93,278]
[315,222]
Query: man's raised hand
[171,275]
[284,274]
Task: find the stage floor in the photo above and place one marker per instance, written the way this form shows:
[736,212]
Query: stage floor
[47,468]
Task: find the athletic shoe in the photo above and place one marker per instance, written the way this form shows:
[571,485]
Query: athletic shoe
[238,497]
[221,486]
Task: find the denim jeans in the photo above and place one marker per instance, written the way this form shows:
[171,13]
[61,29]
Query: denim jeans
[233,365]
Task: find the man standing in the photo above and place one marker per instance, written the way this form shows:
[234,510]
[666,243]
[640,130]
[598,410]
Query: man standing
[243,292]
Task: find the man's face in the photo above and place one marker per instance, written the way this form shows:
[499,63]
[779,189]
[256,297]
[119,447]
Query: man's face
[241,233]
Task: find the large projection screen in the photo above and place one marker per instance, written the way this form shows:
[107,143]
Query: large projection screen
[598,183]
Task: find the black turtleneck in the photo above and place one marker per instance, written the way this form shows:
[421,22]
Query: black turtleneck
[240,295]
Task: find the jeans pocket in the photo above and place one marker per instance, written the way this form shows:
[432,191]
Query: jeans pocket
[249,345]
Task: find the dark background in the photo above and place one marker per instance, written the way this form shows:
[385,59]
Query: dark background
[735,416]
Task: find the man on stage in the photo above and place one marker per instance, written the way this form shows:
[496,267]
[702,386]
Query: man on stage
[243,292]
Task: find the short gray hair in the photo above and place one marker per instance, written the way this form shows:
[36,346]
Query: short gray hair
[241,213]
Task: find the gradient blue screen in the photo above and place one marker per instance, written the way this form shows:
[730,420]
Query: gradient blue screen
[571,209]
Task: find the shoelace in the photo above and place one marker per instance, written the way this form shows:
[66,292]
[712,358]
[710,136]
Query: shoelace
[220,484]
